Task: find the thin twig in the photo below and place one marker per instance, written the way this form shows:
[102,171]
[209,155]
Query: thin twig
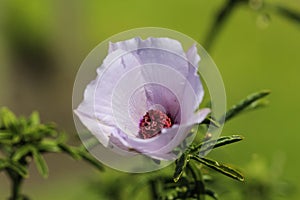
[221,17]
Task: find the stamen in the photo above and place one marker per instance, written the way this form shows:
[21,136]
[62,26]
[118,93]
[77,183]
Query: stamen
[153,122]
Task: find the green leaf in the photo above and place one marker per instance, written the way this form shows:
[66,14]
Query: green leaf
[212,194]
[180,166]
[37,157]
[211,144]
[90,143]
[18,168]
[245,103]
[227,140]
[48,146]
[61,137]
[8,118]
[222,168]
[70,150]
[258,104]
[46,130]
[210,120]
[21,152]
[40,163]
[90,159]
[34,118]
[5,135]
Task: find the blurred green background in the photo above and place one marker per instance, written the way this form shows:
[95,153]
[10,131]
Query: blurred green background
[43,42]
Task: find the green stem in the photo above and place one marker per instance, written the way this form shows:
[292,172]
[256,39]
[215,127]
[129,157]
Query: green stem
[199,183]
[154,192]
[220,18]
[16,181]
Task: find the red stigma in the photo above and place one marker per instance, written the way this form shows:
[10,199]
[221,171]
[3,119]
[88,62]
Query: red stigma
[152,123]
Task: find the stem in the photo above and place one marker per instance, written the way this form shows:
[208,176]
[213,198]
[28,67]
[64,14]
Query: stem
[220,19]
[16,181]
[154,192]
[199,183]
[16,188]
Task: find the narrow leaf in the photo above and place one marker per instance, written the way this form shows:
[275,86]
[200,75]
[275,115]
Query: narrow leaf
[211,144]
[90,143]
[5,135]
[180,166]
[48,146]
[47,130]
[210,120]
[61,137]
[258,104]
[212,194]
[8,118]
[18,168]
[224,169]
[90,159]
[40,163]
[227,140]
[242,105]
[34,118]
[70,150]
[21,152]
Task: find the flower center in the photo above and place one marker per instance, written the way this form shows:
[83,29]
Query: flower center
[152,123]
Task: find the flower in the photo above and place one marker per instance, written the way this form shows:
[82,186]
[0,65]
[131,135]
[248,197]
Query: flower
[144,97]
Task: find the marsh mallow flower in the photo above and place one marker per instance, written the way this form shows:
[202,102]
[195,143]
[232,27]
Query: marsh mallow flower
[144,98]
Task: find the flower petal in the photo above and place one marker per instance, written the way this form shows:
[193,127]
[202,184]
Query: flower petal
[193,77]
[95,111]
[192,56]
[137,43]
[165,51]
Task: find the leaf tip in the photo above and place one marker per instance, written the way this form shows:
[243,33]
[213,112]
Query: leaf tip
[266,92]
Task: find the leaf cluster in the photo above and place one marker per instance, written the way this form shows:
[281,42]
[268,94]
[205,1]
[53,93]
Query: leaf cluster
[23,140]
[188,180]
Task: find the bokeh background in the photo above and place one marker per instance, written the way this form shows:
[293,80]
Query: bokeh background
[43,42]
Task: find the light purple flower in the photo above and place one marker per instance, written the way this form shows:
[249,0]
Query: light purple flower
[144,97]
